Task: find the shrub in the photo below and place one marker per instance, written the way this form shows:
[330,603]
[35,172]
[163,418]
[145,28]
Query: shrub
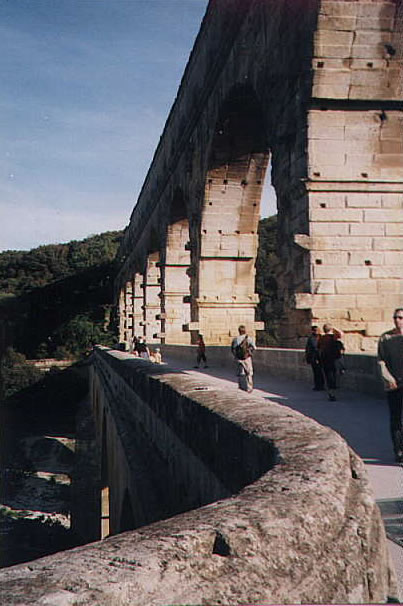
[16,374]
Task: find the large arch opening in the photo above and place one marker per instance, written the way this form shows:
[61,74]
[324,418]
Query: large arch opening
[152,291]
[104,481]
[224,289]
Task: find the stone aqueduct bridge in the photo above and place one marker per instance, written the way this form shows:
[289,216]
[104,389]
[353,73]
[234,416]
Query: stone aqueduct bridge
[315,86]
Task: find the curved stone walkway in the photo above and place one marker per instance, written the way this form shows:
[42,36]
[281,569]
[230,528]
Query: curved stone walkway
[362,420]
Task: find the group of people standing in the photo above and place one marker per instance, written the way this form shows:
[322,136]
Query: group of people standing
[139,348]
[324,352]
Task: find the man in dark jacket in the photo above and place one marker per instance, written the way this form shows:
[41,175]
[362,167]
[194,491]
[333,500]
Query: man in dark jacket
[390,360]
[330,349]
[312,358]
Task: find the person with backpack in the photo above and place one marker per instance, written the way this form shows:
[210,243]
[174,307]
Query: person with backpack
[242,348]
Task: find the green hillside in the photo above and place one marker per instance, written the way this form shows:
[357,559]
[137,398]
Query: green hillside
[55,300]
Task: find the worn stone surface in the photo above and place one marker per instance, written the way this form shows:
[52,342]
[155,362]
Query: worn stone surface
[306,530]
[315,87]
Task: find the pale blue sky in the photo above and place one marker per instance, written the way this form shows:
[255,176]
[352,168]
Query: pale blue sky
[87,86]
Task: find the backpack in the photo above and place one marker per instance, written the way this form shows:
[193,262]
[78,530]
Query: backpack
[242,349]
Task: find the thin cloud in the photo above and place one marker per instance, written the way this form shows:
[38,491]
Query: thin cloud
[27,226]
[86,90]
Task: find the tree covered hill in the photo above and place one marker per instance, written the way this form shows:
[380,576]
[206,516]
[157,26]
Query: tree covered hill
[21,271]
[55,299]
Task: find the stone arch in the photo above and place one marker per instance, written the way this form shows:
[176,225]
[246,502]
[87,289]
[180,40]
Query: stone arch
[224,284]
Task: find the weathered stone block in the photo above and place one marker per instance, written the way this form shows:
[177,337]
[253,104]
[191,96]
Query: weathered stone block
[346,243]
[371,23]
[330,258]
[324,77]
[367,51]
[367,229]
[391,146]
[394,258]
[345,271]
[366,258]
[330,200]
[323,287]
[338,91]
[360,148]
[357,286]
[360,315]
[361,131]
[387,272]
[391,172]
[376,37]
[329,229]
[333,38]
[312,301]
[363,200]
[337,9]
[368,344]
[394,229]
[374,329]
[348,325]
[329,133]
[327,215]
[377,10]
[388,285]
[381,301]
[333,22]
[327,50]
[392,201]
[326,119]
[390,160]
[388,244]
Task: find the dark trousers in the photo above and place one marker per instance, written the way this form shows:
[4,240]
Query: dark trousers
[329,370]
[395,401]
[201,357]
[318,378]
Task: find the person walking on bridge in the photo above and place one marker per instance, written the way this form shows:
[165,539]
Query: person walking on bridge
[390,360]
[312,358]
[201,352]
[330,348]
[242,348]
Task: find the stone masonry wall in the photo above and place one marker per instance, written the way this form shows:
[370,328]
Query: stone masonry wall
[306,530]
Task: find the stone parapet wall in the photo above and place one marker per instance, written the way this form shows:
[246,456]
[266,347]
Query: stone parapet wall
[362,369]
[306,530]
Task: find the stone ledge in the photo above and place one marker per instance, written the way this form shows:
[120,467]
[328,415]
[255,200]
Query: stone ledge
[306,531]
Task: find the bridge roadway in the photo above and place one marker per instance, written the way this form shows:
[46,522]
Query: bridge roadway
[360,419]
